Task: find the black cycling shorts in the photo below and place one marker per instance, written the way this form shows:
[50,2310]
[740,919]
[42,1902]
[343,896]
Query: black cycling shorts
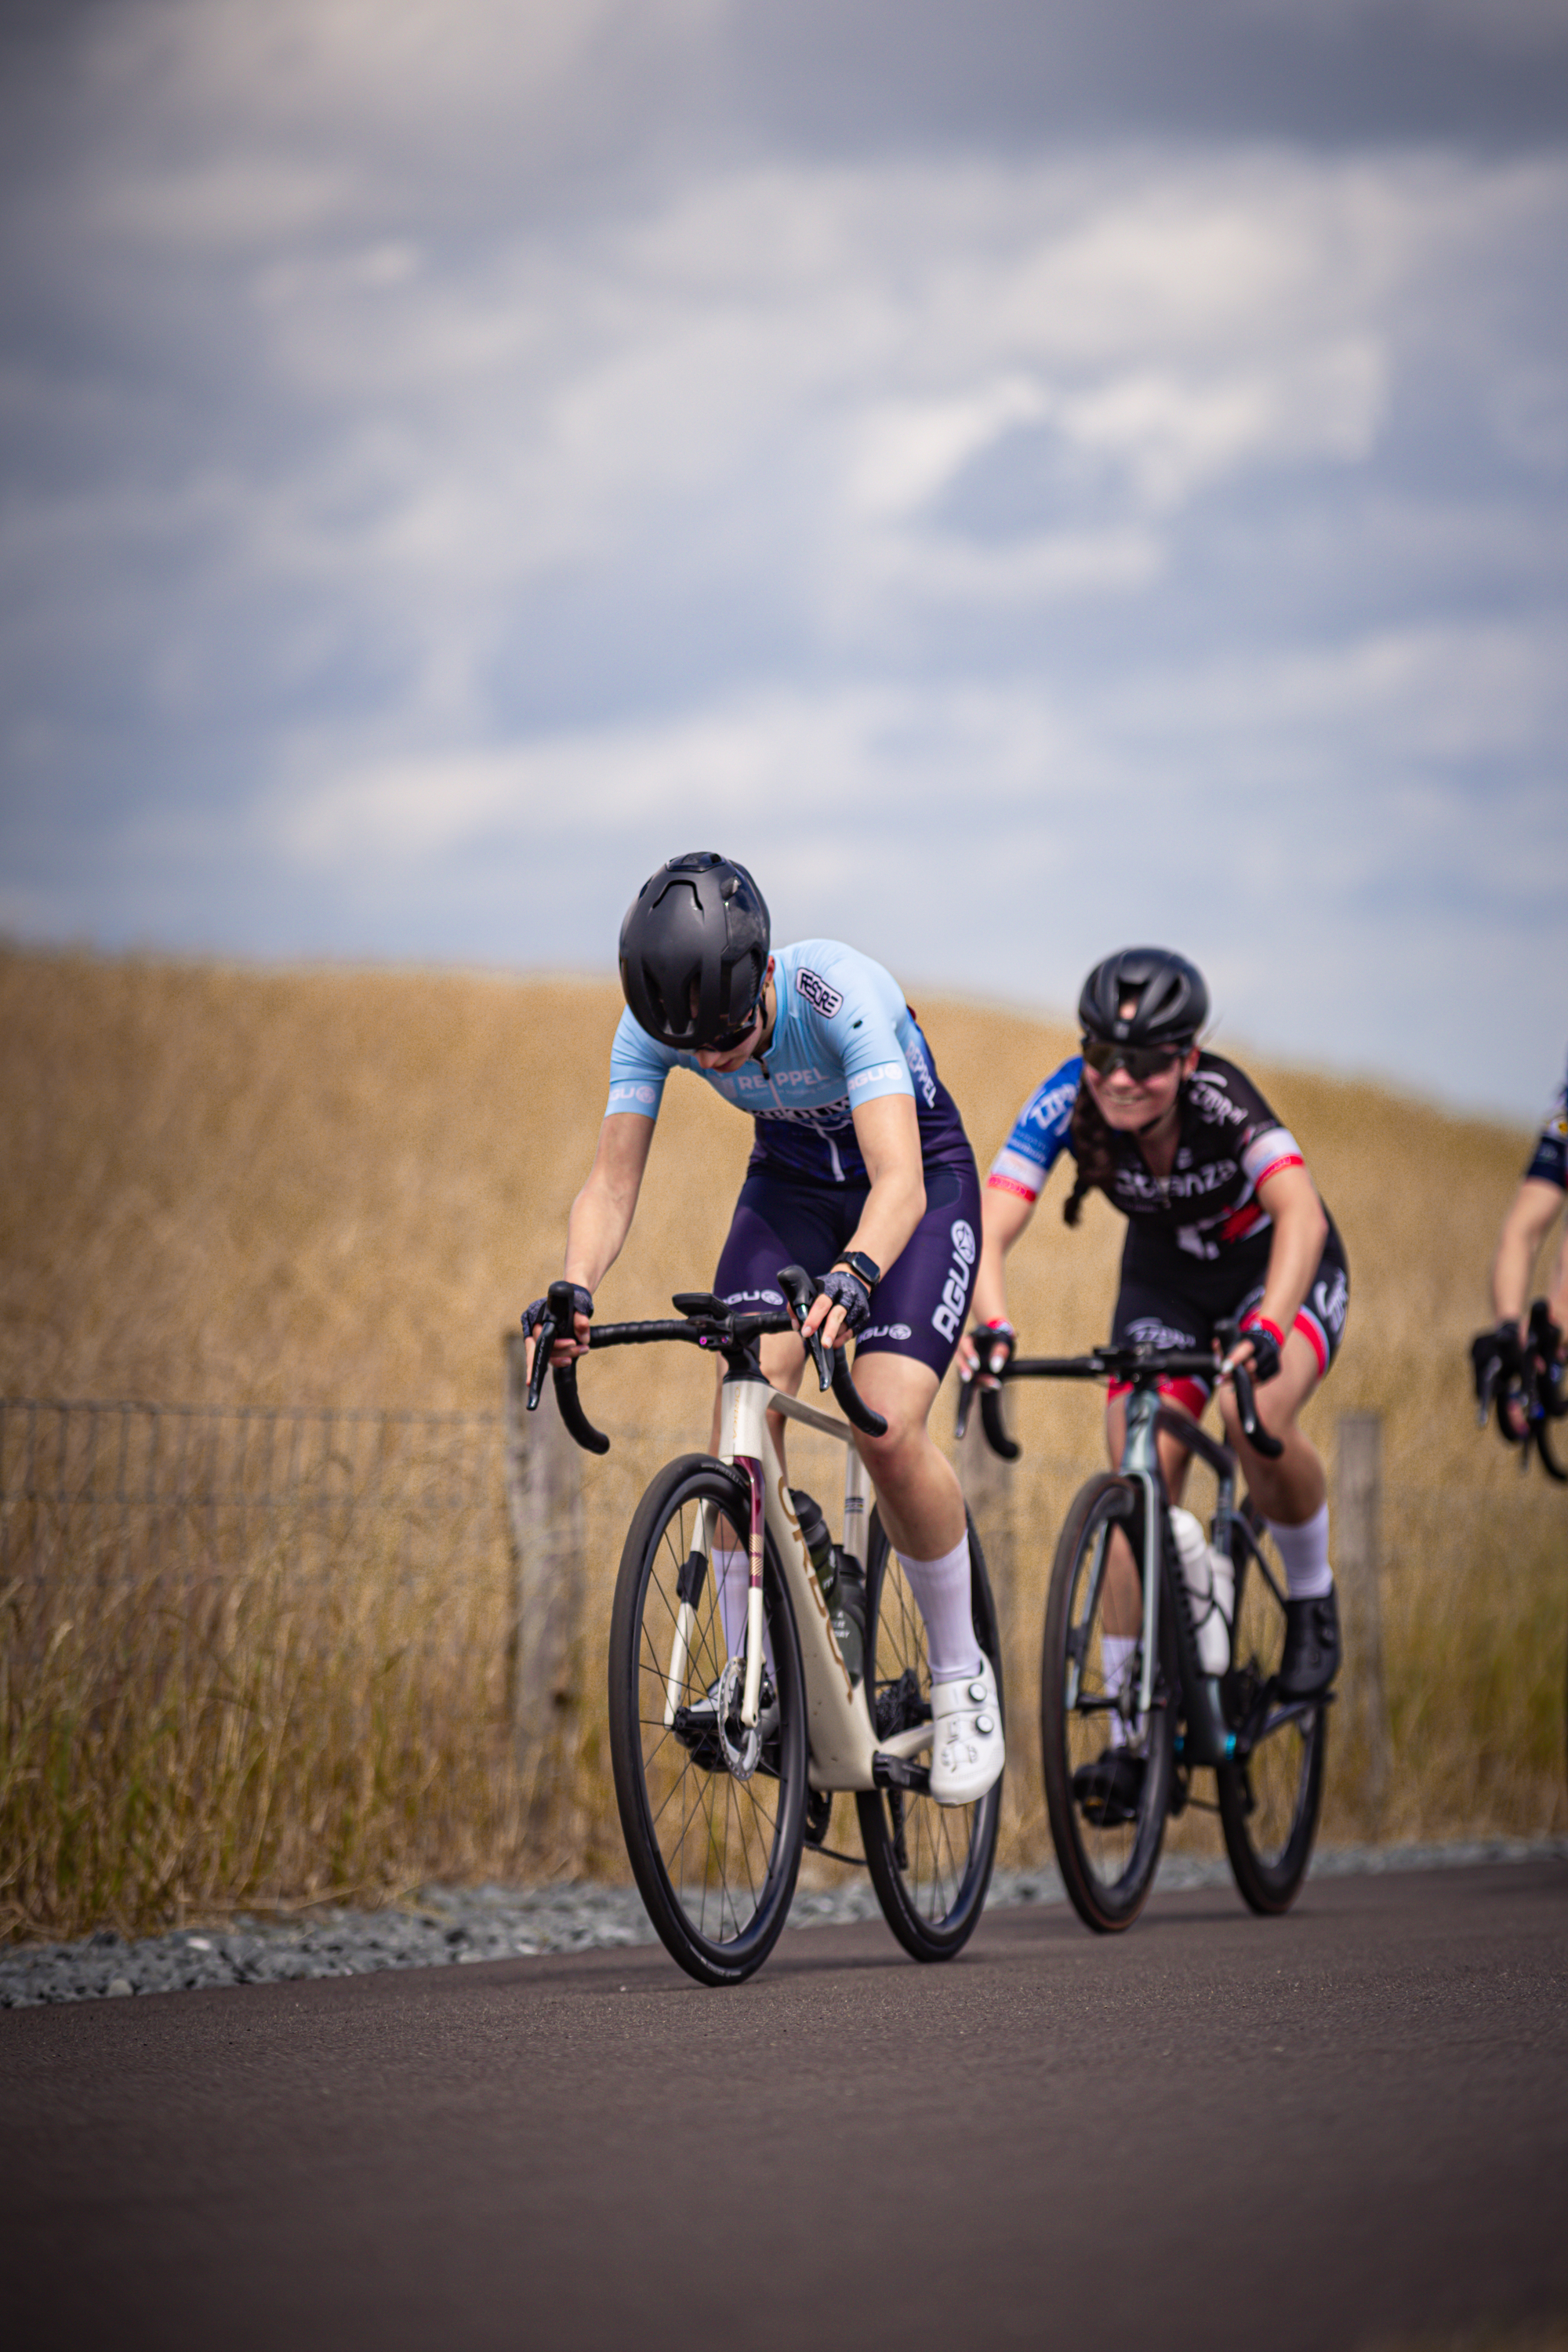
[1168,1299]
[917,1308]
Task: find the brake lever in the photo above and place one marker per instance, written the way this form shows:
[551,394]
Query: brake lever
[1256,1436]
[801,1292]
[965,1399]
[1486,1389]
[558,1321]
[543,1341]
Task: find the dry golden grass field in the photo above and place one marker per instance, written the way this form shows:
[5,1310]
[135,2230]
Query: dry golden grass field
[336,1188]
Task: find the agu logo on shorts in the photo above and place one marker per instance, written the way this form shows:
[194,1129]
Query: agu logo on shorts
[949,1315]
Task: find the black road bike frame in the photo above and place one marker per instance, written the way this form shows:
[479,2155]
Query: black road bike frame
[1210,1737]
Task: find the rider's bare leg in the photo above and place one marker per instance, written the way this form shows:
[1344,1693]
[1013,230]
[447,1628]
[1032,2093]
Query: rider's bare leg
[1292,1492]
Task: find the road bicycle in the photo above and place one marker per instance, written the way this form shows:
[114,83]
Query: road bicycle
[1530,1399]
[728,1738]
[1161,1711]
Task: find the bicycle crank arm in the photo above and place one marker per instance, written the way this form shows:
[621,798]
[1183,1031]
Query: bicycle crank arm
[906,1744]
[896,1772]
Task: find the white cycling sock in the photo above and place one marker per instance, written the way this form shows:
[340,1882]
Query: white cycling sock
[1115,1657]
[941,1589]
[1305,1552]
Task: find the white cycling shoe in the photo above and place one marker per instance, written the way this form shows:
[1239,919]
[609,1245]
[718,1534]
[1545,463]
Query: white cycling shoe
[968,1751]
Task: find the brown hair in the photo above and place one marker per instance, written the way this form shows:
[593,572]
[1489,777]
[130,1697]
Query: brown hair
[1094,1151]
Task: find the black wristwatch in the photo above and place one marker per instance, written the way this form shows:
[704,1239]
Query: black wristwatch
[865,1269]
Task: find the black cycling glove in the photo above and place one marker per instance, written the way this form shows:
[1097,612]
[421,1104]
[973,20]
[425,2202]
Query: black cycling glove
[1497,1359]
[1265,1364]
[995,1344]
[846,1290]
[533,1314]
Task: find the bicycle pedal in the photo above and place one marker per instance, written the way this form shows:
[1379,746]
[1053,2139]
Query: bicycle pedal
[818,1815]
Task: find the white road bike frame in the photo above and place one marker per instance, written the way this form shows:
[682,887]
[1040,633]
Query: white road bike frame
[841,1736]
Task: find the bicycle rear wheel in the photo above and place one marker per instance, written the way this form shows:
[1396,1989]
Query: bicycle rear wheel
[1269,1805]
[930,1863]
[713,1817]
[1107,1847]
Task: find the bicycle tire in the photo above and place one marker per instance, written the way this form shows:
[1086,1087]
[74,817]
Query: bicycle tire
[715,1856]
[1108,1869]
[1268,1806]
[930,1863]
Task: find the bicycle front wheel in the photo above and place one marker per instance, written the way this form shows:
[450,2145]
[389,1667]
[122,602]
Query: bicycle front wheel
[1107,1773]
[930,1863]
[713,1815]
[1269,1805]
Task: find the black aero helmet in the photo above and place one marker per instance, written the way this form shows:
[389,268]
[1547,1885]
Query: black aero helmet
[694,950]
[1169,1001]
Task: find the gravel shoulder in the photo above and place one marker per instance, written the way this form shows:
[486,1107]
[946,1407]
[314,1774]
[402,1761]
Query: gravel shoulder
[443,1926]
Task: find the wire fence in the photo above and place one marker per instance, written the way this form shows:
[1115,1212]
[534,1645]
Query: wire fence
[251,1653]
[195,1487]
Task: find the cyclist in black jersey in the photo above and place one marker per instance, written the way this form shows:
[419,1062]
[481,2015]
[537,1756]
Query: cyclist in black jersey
[1224,1224]
[1541,1191]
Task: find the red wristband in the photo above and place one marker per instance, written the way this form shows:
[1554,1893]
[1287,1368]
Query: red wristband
[1262,1323]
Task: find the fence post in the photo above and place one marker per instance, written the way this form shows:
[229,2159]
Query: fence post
[988,1484]
[544,1505]
[1358,1514]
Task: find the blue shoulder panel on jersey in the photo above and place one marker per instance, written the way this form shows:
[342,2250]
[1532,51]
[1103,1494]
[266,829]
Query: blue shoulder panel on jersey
[1041,1132]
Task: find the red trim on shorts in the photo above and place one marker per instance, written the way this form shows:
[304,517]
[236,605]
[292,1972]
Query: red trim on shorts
[1314,1330]
[1010,1184]
[1259,1322]
[1308,1325]
[1191,1394]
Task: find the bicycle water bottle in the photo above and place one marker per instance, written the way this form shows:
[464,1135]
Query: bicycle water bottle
[846,1604]
[1210,1579]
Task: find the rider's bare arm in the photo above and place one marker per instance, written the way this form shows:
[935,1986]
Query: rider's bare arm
[1525,1227]
[1003,1217]
[1300,1229]
[888,1132]
[602,1213]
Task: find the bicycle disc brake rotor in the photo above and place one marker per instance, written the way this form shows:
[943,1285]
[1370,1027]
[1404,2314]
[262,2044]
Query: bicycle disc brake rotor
[741,1746]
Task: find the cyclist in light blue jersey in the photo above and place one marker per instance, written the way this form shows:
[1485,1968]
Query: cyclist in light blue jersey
[860,1172]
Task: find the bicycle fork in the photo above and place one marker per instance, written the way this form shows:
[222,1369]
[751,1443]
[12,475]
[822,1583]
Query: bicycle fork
[1208,1739]
[842,1739]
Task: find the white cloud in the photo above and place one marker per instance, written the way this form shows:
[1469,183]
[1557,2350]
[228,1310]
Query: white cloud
[420,500]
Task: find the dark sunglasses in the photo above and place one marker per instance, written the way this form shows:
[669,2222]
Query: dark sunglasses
[1139,1062]
[728,1040]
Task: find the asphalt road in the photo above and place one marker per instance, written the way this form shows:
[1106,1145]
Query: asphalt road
[1346,2128]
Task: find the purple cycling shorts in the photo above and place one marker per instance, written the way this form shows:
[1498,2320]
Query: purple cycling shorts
[919,1306]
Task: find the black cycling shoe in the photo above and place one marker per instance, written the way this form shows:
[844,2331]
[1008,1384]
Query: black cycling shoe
[1312,1658]
[1108,1790]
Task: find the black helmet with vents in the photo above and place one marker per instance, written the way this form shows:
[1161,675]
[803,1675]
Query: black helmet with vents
[694,951]
[1144,996]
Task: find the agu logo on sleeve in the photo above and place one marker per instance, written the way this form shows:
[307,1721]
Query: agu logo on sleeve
[949,1315]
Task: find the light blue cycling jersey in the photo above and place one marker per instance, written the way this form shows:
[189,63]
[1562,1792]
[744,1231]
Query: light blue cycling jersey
[843,1035]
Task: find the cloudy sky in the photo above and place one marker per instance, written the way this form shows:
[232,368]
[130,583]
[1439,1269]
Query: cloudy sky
[1028,475]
